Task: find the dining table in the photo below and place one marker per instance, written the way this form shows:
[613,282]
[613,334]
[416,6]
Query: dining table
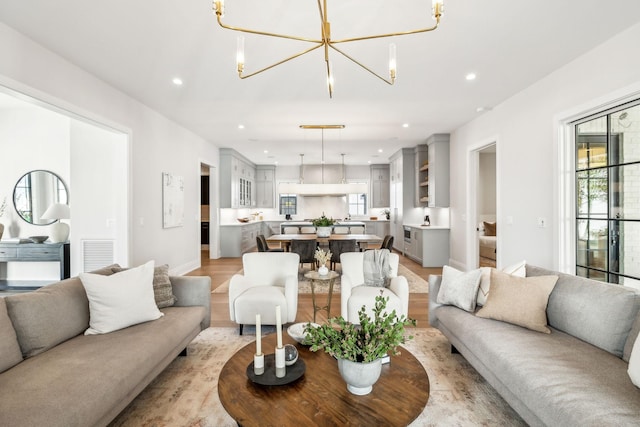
[362,240]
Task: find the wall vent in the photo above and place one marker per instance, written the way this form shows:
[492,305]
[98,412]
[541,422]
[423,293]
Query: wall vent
[96,254]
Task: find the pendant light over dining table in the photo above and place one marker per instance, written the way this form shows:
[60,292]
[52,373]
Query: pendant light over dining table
[322,189]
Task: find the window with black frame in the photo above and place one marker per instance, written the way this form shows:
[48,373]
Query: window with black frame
[288,204]
[608,196]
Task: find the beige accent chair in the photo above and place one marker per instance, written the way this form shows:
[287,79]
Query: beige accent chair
[354,294]
[269,279]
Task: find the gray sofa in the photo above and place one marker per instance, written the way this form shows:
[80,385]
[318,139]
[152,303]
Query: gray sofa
[575,376]
[69,379]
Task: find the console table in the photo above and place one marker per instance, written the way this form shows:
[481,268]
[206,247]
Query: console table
[34,252]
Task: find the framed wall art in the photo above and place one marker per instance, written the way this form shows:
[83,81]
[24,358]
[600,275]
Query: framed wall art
[172,200]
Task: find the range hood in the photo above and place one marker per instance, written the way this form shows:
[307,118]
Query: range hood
[322,189]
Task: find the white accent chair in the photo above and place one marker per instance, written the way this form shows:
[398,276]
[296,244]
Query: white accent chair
[269,279]
[354,294]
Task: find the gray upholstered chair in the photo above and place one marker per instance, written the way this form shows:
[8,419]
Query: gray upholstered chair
[338,247]
[261,241]
[306,250]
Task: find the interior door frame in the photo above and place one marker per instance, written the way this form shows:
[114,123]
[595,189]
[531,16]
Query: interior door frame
[473,168]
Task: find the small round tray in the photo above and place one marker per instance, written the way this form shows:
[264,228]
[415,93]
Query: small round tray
[294,372]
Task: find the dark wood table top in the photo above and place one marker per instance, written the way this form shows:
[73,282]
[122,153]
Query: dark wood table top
[320,397]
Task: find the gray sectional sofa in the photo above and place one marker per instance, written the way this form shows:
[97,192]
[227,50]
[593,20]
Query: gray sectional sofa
[61,377]
[575,376]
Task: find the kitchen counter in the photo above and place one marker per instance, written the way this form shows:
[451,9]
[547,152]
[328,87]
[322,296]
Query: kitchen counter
[427,227]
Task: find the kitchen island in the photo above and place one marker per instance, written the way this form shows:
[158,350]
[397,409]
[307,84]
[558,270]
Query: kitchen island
[340,224]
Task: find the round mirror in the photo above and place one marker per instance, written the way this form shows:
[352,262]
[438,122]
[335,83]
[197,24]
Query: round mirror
[35,191]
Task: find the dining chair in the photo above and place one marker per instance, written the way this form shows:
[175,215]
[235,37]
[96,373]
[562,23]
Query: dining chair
[340,230]
[387,242]
[307,230]
[291,230]
[338,247]
[261,242]
[306,249]
[358,229]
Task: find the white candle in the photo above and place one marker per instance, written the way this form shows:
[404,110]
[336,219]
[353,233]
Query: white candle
[278,326]
[258,336]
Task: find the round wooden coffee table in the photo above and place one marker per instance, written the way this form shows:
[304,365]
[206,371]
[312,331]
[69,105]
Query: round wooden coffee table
[320,397]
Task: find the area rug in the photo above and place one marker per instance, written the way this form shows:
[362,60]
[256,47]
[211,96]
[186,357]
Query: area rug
[186,393]
[417,285]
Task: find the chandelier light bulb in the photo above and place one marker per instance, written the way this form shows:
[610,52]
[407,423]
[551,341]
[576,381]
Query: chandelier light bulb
[240,54]
[393,67]
[437,9]
[218,7]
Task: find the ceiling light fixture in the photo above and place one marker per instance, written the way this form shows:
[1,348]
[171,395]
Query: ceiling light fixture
[322,188]
[437,8]
[177,81]
[470,76]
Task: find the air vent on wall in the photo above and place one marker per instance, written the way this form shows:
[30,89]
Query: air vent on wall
[96,254]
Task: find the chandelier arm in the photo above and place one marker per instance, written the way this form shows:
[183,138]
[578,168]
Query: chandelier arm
[280,62]
[264,33]
[389,82]
[379,36]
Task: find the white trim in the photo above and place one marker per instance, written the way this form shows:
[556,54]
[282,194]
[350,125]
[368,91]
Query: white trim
[564,172]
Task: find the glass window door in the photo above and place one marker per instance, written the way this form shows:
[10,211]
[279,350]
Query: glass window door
[608,196]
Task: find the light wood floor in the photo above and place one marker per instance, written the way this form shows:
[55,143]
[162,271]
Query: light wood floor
[222,269]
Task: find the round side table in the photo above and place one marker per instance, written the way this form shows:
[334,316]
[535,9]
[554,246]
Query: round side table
[314,277]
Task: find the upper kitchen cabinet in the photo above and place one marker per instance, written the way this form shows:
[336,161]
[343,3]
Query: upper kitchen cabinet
[438,170]
[237,180]
[265,186]
[380,186]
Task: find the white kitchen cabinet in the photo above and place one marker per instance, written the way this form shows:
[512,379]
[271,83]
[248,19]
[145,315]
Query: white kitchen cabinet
[380,186]
[236,240]
[265,186]
[237,180]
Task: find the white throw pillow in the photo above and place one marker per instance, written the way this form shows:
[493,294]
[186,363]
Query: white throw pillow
[518,270]
[634,363]
[459,288]
[120,300]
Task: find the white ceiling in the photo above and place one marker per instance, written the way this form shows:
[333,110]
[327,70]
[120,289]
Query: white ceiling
[140,46]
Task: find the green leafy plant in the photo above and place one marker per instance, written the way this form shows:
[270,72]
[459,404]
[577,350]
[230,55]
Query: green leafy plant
[323,221]
[386,213]
[369,341]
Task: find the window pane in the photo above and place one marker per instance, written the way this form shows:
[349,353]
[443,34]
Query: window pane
[625,192]
[592,243]
[591,144]
[625,135]
[626,244]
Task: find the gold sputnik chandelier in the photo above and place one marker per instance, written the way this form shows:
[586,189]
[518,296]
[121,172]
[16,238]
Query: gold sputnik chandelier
[325,41]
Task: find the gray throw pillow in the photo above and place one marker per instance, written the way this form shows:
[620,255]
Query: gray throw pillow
[162,290]
[459,288]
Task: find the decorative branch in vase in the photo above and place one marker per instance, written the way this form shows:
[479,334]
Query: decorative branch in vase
[323,257]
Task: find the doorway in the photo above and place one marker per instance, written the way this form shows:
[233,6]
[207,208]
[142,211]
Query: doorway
[482,235]
[208,212]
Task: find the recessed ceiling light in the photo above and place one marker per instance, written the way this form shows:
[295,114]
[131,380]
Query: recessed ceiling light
[482,109]
[177,81]
[369,161]
[379,150]
[470,76]
[240,126]
[405,125]
[275,163]
[266,151]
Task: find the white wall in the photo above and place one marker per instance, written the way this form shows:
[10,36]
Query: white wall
[98,205]
[157,145]
[526,130]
